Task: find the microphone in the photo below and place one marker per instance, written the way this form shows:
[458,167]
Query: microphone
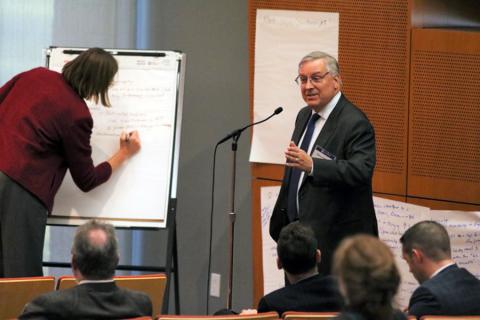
[278,110]
[239,131]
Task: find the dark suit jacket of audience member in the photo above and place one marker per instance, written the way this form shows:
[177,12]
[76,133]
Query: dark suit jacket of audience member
[454,291]
[317,293]
[349,315]
[89,301]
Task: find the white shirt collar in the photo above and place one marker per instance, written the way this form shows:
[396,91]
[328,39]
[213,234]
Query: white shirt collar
[96,281]
[325,112]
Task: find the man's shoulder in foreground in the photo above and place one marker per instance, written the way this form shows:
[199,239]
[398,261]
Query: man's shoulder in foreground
[317,293]
[90,300]
[454,291]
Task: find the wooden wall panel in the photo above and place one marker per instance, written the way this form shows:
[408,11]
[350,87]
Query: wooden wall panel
[374,60]
[443,205]
[444,133]
[391,197]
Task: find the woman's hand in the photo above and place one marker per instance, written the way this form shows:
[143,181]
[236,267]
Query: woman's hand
[130,142]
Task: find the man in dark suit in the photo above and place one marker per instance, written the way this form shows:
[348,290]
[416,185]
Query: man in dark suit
[94,259]
[445,289]
[330,162]
[308,291]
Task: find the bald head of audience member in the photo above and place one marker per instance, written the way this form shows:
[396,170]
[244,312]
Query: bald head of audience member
[426,248]
[97,296]
[94,251]
[297,252]
[368,276]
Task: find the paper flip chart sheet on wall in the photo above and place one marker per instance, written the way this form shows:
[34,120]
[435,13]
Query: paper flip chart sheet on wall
[394,218]
[463,227]
[273,278]
[282,38]
[145,96]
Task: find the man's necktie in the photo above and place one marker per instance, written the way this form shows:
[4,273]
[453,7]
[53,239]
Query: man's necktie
[295,173]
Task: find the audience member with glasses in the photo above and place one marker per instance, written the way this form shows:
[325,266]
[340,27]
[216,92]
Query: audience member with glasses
[327,182]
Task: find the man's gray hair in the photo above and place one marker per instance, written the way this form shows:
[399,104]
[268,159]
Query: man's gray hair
[96,260]
[330,62]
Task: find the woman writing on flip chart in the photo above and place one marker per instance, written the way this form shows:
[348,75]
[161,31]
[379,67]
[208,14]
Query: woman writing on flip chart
[45,129]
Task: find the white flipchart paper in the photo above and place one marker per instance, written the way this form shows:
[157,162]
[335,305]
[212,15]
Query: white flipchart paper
[394,218]
[282,38]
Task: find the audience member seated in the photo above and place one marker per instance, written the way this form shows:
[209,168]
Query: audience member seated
[307,290]
[94,259]
[445,289]
[368,279]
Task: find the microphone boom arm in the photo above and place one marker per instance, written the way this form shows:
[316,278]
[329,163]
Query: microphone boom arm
[236,133]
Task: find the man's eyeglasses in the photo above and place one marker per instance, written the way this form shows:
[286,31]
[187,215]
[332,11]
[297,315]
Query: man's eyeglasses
[314,78]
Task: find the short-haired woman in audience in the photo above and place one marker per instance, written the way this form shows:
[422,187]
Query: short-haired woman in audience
[368,279]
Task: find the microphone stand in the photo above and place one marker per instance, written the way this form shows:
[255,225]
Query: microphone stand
[232,217]
[235,135]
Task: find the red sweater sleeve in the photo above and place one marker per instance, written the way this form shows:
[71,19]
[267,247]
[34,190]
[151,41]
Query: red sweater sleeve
[78,154]
[5,89]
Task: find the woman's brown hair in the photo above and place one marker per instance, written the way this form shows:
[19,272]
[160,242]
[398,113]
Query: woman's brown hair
[368,275]
[91,74]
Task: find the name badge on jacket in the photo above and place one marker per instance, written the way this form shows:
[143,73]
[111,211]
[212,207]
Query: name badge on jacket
[321,153]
